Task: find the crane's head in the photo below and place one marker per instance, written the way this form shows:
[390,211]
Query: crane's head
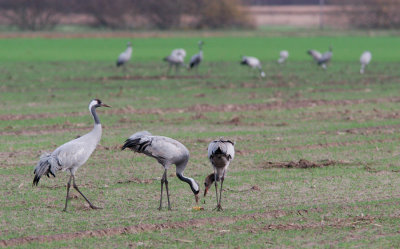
[208,182]
[97,103]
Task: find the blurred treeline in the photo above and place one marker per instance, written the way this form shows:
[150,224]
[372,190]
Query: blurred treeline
[183,14]
[371,14]
[125,14]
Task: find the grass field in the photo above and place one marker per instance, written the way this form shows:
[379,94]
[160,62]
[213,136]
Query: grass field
[346,126]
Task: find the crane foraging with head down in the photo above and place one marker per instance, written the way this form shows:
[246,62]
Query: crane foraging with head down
[252,62]
[166,151]
[176,58]
[365,59]
[220,153]
[72,155]
[125,56]
[283,55]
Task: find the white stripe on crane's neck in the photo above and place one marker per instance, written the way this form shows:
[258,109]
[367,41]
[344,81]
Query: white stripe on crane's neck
[193,184]
[92,109]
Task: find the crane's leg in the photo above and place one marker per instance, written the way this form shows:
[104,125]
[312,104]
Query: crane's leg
[219,207]
[77,189]
[166,187]
[176,69]
[216,187]
[66,198]
[162,188]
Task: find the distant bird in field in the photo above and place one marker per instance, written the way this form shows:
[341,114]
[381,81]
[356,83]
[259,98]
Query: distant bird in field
[252,62]
[315,54]
[176,58]
[220,153]
[283,55]
[72,155]
[125,56]
[166,151]
[197,58]
[325,58]
[365,59]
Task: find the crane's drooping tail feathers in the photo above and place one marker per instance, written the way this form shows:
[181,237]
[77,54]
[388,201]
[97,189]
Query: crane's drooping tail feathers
[47,165]
[119,63]
[137,142]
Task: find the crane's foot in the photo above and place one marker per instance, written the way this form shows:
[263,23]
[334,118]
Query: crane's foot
[159,208]
[218,208]
[64,210]
[94,207]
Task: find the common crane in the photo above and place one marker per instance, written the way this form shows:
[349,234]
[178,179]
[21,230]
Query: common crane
[365,59]
[71,155]
[166,151]
[252,62]
[176,58]
[197,58]
[283,55]
[220,153]
[125,56]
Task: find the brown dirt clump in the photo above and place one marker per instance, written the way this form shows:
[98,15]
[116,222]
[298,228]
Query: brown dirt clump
[302,164]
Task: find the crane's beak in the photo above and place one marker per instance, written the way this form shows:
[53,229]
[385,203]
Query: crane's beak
[196,197]
[105,105]
[205,191]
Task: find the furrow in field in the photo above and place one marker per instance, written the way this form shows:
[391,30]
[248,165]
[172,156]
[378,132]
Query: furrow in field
[280,104]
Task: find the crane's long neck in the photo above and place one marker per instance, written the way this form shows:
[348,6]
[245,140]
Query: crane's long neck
[94,114]
[192,183]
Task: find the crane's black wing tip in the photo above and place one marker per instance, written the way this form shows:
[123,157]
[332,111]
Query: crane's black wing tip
[36,180]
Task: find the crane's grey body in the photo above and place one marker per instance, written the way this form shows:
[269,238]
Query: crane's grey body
[283,55]
[365,59]
[197,58]
[166,151]
[220,153]
[176,58]
[325,58]
[125,56]
[253,63]
[316,55]
[71,155]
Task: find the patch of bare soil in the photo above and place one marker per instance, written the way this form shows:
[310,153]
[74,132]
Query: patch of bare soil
[302,164]
[136,180]
[352,222]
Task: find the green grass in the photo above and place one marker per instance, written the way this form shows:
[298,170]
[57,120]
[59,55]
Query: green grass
[298,111]
[346,49]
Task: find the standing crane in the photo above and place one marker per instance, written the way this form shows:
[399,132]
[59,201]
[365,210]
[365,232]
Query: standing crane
[220,153]
[252,62]
[72,155]
[166,151]
[365,59]
[125,56]
[197,58]
[283,55]
[176,58]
